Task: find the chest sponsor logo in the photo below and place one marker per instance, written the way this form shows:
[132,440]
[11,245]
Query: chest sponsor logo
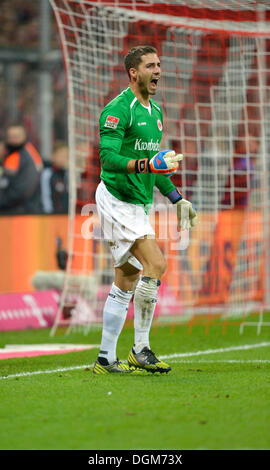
[141,123]
[159,124]
[142,145]
[111,122]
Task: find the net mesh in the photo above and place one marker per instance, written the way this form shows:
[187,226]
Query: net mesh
[215,97]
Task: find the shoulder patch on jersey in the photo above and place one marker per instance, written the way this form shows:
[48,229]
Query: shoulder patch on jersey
[112,122]
[159,124]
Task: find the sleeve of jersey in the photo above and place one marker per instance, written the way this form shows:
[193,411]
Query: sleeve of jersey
[164,184]
[113,123]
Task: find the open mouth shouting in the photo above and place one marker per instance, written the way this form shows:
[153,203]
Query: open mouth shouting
[154,83]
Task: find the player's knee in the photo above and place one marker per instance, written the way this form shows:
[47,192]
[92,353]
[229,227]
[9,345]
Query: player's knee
[126,277]
[156,268]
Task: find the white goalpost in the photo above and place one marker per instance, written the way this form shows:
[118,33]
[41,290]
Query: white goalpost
[215,59]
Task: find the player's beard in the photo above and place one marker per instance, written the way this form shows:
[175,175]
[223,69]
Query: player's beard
[144,87]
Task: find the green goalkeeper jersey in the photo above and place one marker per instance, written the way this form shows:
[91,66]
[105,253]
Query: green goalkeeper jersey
[128,131]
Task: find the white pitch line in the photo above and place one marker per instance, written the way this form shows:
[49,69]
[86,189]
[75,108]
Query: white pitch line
[48,371]
[215,351]
[224,361]
[170,356]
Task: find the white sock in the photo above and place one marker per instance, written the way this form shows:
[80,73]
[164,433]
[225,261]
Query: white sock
[145,300]
[114,315]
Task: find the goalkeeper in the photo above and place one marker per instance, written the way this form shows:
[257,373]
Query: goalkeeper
[131,165]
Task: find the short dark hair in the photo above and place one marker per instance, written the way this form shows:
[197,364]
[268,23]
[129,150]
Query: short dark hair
[134,56]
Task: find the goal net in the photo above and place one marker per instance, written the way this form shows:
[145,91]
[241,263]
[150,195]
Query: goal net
[214,91]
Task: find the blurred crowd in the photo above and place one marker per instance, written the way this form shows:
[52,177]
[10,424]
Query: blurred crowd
[19,27]
[28,185]
[20,23]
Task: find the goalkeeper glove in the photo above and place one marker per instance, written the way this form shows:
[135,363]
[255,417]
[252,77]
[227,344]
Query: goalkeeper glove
[186,214]
[164,163]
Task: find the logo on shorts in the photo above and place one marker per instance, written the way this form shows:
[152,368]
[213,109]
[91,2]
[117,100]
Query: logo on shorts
[112,122]
[159,124]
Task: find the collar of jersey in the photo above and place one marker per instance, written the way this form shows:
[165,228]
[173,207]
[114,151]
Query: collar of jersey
[132,96]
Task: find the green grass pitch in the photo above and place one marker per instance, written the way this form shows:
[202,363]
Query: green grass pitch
[216,400]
